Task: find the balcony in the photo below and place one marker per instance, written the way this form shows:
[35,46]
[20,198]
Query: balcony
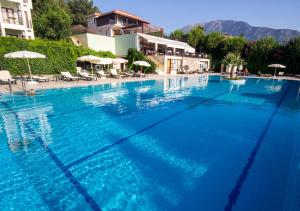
[14,21]
[168,52]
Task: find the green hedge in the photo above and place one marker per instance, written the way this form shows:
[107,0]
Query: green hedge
[135,55]
[61,55]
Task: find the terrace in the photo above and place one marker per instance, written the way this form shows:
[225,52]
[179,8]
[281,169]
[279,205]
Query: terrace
[151,46]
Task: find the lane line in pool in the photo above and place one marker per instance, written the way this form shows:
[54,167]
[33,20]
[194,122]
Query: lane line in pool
[235,193]
[80,189]
[76,162]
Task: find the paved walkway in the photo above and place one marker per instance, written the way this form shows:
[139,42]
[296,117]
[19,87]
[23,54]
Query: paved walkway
[52,84]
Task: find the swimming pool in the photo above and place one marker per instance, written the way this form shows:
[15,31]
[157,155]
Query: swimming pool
[173,144]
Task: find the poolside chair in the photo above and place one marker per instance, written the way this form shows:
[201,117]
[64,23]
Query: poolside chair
[102,74]
[281,74]
[114,73]
[6,77]
[129,73]
[140,74]
[264,75]
[38,78]
[180,71]
[68,77]
[86,76]
[83,74]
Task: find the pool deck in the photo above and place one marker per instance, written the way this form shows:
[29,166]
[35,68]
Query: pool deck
[53,84]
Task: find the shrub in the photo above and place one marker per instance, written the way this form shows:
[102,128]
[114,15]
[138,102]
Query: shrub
[134,55]
[61,55]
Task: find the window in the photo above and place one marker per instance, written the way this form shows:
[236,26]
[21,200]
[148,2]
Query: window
[8,15]
[27,20]
[20,18]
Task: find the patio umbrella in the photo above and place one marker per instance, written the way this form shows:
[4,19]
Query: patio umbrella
[141,64]
[106,61]
[91,59]
[25,55]
[276,66]
[120,61]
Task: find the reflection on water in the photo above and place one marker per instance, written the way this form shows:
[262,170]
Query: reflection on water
[105,98]
[178,88]
[174,84]
[298,94]
[16,128]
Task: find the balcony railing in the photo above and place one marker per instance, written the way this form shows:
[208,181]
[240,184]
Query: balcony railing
[179,54]
[15,21]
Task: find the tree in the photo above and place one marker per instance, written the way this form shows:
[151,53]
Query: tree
[292,55]
[212,45]
[79,9]
[177,35]
[261,53]
[53,23]
[196,36]
[234,45]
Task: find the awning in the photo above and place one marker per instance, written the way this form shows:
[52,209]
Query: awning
[169,43]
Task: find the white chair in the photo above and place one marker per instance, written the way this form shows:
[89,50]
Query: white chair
[102,74]
[6,77]
[38,78]
[114,73]
[67,76]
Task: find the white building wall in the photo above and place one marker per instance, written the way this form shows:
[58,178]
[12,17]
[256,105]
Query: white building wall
[22,26]
[95,42]
[124,42]
[118,45]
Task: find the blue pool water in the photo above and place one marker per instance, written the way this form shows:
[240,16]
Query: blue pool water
[173,144]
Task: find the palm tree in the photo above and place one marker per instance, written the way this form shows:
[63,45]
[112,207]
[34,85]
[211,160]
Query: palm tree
[233,59]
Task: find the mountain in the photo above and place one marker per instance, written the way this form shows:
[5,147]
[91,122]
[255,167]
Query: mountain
[242,28]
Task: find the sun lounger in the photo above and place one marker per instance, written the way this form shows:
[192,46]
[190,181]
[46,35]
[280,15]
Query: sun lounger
[129,73]
[281,74]
[6,77]
[38,78]
[264,75]
[68,77]
[297,76]
[102,74]
[140,74]
[180,71]
[115,74]
[86,76]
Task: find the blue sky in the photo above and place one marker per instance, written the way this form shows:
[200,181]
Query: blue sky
[173,14]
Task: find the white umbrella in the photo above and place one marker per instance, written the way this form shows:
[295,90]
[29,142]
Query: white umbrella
[106,61]
[25,55]
[142,63]
[90,58]
[120,61]
[277,66]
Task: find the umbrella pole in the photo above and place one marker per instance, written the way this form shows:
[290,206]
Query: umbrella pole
[92,68]
[275,73]
[29,69]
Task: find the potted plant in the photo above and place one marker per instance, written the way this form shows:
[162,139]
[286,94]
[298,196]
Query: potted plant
[234,60]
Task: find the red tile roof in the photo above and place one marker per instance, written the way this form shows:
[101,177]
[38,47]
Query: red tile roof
[122,13]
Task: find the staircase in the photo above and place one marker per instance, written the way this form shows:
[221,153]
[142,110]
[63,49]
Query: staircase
[159,62]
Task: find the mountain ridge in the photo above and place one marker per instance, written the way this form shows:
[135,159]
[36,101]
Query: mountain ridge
[236,28]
